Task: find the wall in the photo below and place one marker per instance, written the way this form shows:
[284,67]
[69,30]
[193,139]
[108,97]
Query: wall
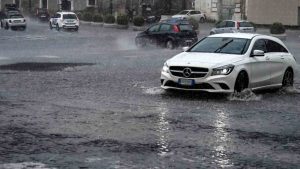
[270,11]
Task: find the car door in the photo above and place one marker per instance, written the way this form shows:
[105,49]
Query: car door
[277,55]
[153,34]
[230,27]
[220,28]
[260,66]
[195,15]
[164,33]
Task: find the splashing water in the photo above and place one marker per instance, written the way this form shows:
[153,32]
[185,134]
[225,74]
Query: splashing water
[153,90]
[290,90]
[245,95]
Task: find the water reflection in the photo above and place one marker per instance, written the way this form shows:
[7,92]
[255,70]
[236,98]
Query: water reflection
[223,139]
[163,130]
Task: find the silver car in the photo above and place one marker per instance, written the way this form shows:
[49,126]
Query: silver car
[13,21]
[231,26]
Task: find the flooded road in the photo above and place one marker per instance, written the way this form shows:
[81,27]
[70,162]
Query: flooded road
[92,100]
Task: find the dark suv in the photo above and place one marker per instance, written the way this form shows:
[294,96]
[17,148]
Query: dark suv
[170,34]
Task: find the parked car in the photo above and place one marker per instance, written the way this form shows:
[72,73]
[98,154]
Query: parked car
[42,14]
[187,14]
[170,34]
[13,21]
[231,62]
[64,20]
[231,26]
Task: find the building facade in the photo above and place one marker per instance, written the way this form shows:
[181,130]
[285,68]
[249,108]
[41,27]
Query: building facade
[257,11]
[269,11]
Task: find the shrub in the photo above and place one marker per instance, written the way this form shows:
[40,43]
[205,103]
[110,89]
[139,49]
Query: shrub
[138,21]
[277,28]
[194,23]
[87,16]
[98,18]
[122,20]
[109,19]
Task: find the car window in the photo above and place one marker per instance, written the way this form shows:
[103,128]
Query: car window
[197,12]
[69,16]
[222,45]
[260,45]
[183,12]
[275,47]
[193,12]
[221,24]
[230,24]
[165,28]
[245,24]
[185,27]
[154,28]
[57,15]
[15,16]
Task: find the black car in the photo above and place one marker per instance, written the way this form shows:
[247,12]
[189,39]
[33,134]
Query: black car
[170,34]
[42,14]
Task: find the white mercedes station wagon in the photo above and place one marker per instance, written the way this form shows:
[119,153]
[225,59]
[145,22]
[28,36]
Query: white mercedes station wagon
[231,62]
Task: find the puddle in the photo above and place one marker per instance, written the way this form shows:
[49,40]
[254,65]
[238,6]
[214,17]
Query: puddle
[246,95]
[32,66]
[31,165]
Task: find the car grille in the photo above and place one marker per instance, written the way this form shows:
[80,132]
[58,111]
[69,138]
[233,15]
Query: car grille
[203,86]
[196,72]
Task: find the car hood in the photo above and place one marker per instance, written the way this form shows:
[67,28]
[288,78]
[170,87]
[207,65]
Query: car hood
[208,60]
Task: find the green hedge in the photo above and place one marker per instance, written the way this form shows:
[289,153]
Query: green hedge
[122,20]
[88,16]
[277,28]
[138,21]
[109,19]
[98,18]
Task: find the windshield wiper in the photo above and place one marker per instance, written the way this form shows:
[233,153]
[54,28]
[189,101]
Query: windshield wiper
[223,46]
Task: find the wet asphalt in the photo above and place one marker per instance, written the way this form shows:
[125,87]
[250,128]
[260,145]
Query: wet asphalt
[91,99]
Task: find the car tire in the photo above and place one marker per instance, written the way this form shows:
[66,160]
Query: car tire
[6,26]
[288,78]
[170,44]
[241,82]
[57,27]
[202,20]
[50,25]
[76,29]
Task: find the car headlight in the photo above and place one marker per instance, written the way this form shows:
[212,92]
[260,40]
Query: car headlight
[224,70]
[165,68]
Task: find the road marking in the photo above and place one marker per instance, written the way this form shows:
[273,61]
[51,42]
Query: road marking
[4,58]
[48,56]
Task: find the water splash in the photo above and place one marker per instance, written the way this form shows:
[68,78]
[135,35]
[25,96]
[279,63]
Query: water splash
[290,90]
[31,165]
[245,95]
[153,91]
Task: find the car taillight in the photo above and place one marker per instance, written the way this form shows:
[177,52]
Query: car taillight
[238,25]
[176,28]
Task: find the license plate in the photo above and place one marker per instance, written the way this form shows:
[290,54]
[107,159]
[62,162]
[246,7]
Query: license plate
[186,82]
[17,21]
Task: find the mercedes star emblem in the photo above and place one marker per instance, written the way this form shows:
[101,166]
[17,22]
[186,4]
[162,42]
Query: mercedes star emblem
[187,72]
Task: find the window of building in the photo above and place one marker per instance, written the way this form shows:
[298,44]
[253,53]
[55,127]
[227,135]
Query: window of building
[91,2]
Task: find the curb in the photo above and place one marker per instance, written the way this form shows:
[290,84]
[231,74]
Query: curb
[122,26]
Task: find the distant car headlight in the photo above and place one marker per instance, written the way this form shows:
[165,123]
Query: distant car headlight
[224,70]
[165,68]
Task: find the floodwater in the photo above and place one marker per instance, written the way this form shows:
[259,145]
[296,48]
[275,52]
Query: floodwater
[92,100]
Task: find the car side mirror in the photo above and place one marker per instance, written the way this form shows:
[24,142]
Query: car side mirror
[184,49]
[258,53]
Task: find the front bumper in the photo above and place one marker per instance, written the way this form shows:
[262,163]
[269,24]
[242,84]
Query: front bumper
[71,26]
[17,24]
[213,84]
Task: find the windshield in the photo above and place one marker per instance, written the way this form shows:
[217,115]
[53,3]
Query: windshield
[69,16]
[16,16]
[183,12]
[222,45]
